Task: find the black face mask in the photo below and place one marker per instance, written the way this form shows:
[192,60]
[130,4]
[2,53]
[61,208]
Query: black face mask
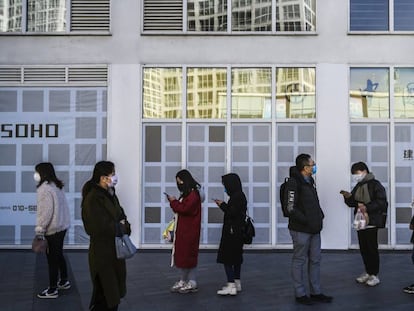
[180,187]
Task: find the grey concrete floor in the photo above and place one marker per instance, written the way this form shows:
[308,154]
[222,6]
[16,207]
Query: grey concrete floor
[265,279]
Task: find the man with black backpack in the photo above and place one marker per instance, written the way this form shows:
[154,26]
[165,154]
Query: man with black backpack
[300,203]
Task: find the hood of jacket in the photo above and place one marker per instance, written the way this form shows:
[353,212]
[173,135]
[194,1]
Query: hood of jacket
[232,183]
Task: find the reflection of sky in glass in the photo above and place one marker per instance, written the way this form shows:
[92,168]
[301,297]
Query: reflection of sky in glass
[404,93]
[295,93]
[369,93]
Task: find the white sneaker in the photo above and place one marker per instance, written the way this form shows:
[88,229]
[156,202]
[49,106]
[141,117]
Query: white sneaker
[230,289]
[176,287]
[189,287]
[363,278]
[373,280]
[238,285]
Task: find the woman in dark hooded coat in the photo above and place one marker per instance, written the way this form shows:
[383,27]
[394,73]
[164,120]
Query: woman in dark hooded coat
[230,251]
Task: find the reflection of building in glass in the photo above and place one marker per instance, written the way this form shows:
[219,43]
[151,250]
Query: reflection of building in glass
[46,15]
[295,15]
[206,93]
[295,93]
[10,15]
[162,93]
[251,93]
[369,104]
[207,15]
[251,15]
[42,15]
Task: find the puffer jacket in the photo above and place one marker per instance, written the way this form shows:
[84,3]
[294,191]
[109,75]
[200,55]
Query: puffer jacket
[377,208]
[307,215]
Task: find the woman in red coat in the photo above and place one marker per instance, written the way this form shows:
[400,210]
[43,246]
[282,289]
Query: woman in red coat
[187,209]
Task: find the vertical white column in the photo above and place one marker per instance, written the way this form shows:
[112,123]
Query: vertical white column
[333,152]
[124,139]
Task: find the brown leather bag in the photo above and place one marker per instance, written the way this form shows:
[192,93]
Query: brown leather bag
[39,244]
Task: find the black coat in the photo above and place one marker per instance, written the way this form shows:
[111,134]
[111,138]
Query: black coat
[377,208]
[307,215]
[231,242]
[99,213]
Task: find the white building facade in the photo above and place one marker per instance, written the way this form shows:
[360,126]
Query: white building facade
[214,86]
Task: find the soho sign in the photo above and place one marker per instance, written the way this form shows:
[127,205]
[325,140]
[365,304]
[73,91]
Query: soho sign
[25,130]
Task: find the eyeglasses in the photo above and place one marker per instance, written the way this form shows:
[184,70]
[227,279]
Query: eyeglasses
[314,163]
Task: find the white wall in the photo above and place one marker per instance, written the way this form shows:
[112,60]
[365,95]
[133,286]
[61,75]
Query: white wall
[124,139]
[332,147]
[332,51]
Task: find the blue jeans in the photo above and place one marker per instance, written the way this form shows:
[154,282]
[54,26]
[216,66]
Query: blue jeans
[306,250]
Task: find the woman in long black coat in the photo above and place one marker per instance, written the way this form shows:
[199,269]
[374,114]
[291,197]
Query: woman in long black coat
[230,251]
[100,213]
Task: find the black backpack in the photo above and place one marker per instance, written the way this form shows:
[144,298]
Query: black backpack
[248,230]
[288,195]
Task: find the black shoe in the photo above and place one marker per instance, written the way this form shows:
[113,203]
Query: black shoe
[321,298]
[304,300]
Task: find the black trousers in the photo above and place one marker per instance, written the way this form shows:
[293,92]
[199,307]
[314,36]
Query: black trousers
[98,301]
[368,246]
[55,259]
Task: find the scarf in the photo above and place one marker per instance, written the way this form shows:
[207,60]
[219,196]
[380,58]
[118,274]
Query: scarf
[361,193]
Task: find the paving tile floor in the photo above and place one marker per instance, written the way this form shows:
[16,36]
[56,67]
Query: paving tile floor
[266,283]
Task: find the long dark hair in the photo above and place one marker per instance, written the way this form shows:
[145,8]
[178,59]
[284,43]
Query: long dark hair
[47,173]
[189,182]
[102,168]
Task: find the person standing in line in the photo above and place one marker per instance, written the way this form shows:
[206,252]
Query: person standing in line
[369,197]
[230,252]
[52,222]
[410,289]
[101,214]
[187,209]
[305,225]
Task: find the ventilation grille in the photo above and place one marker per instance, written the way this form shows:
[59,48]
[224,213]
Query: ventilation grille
[163,15]
[10,74]
[40,74]
[90,15]
[64,75]
[87,74]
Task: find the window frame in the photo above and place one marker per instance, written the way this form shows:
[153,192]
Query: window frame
[390,30]
[184,31]
[68,26]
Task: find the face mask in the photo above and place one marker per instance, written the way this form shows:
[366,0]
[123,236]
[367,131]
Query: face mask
[36,177]
[357,177]
[114,181]
[225,191]
[314,169]
[180,187]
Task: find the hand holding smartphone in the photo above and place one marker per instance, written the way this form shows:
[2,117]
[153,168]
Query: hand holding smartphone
[346,194]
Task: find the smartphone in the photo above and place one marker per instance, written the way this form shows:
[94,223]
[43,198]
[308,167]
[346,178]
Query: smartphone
[166,194]
[214,199]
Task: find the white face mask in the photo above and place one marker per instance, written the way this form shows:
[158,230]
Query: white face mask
[358,177]
[36,177]
[114,181]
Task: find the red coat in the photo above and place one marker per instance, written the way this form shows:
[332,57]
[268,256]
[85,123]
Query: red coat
[187,230]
